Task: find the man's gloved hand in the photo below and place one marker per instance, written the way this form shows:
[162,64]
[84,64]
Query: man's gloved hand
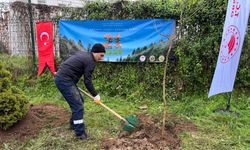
[97,99]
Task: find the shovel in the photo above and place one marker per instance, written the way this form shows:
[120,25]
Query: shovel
[130,122]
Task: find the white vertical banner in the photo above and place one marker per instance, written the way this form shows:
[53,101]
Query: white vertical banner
[231,45]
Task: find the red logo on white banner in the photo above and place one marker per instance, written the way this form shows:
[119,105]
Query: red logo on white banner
[235,9]
[230,43]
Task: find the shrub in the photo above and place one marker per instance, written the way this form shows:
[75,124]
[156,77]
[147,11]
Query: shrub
[13,103]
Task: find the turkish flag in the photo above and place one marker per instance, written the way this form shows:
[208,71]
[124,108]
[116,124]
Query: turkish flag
[44,36]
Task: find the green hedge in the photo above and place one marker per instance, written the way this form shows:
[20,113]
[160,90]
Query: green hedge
[192,64]
[200,27]
[134,81]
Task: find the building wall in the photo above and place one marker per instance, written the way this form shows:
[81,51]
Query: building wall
[4,1]
[4,36]
[15,37]
[15,27]
[15,24]
[18,35]
[68,3]
[4,29]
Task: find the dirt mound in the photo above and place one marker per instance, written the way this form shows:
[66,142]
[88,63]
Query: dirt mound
[148,135]
[38,117]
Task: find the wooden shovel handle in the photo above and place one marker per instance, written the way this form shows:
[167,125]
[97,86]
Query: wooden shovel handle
[104,106]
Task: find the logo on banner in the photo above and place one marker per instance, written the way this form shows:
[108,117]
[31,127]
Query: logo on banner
[161,58]
[142,58]
[44,37]
[112,48]
[152,58]
[230,44]
[235,9]
[109,39]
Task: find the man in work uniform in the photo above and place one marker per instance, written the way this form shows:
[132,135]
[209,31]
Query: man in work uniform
[67,76]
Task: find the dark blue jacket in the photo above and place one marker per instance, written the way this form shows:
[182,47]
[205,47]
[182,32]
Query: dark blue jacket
[78,64]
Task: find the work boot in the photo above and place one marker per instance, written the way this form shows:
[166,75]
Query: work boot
[82,137]
[85,137]
[71,125]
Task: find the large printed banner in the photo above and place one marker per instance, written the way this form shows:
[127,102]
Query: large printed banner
[125,40]
[231,45]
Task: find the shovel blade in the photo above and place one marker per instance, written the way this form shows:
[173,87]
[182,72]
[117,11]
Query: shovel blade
[132,123]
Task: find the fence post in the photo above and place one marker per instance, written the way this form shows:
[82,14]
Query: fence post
[32,35]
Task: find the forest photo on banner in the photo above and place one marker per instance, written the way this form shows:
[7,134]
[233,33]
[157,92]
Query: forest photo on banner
[143,40]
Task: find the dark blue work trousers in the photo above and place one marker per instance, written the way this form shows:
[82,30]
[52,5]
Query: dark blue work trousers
[73,97]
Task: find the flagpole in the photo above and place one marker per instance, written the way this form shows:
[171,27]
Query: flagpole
[32,36]
[228,102]
[228,108]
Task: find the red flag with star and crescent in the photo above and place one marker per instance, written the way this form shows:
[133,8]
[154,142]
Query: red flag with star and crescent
[44,36]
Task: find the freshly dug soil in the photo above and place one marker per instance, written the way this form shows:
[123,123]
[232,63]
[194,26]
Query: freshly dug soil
[148,135]
[38,117]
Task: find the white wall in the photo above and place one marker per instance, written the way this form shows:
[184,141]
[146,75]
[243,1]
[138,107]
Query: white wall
[1,1]
[70,3]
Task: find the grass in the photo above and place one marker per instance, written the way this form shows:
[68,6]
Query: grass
[221,131]
[216,131]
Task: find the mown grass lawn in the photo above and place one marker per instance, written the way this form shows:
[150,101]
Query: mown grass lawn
[215,130]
